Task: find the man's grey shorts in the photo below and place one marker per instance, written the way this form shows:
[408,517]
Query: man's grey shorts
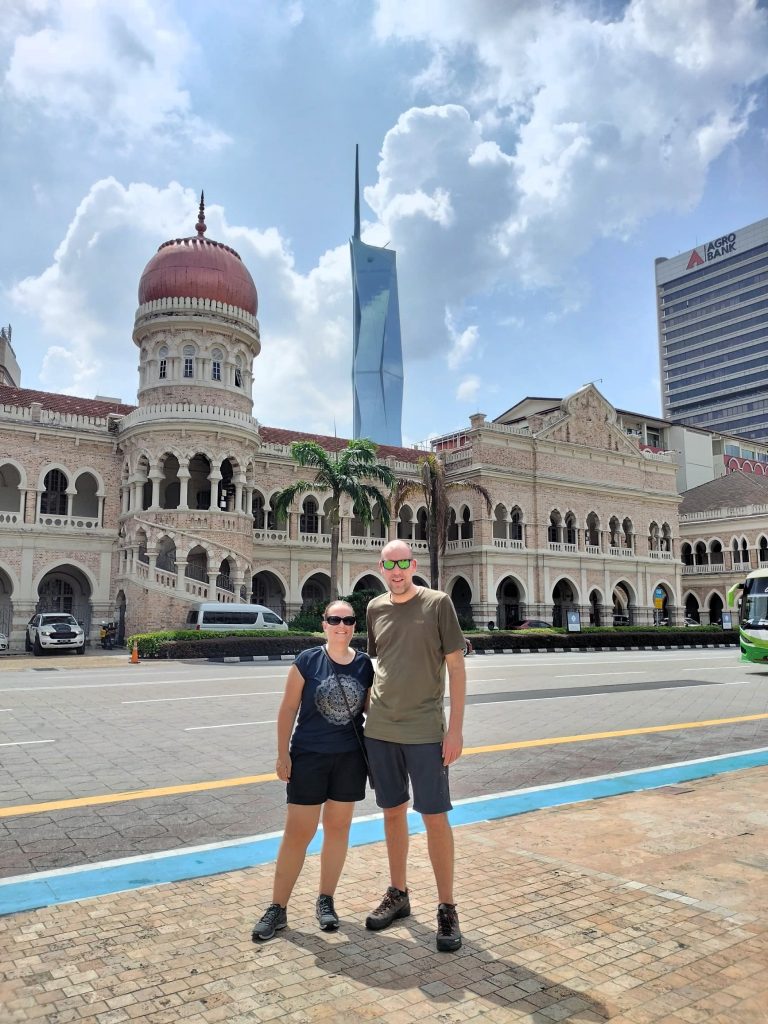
[392,764]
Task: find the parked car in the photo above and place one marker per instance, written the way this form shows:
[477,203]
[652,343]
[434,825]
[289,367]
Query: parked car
[3,642]
[47,631]
[621,620]
[533,624]
[690,621]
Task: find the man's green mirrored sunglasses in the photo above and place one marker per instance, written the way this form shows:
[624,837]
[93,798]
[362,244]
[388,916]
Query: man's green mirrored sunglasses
[401,563]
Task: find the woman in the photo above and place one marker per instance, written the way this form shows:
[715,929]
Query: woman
[324,767]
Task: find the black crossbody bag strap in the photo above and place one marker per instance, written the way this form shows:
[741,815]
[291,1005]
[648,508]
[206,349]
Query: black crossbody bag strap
[351,717]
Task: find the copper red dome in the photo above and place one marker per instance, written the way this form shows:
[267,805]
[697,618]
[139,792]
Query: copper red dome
[198,268]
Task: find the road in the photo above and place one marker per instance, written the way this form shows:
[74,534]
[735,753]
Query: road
[110,762]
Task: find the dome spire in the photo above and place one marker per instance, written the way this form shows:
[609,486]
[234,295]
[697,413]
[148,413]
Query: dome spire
[200,226]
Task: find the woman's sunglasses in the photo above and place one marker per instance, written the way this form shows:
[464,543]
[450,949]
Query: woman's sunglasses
[401,563]
[336,620]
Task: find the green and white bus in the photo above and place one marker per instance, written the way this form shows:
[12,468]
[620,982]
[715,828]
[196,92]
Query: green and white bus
[750,602]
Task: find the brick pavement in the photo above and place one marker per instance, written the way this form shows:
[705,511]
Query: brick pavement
[650,908]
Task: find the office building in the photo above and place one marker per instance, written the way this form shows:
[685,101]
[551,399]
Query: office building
[712,305]
[377,361]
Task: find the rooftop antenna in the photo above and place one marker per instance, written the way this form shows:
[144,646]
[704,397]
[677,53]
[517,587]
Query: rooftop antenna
[357,193]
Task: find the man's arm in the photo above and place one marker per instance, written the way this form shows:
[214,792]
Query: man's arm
[453,741]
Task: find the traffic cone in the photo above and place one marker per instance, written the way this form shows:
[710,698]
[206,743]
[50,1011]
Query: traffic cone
[135,653]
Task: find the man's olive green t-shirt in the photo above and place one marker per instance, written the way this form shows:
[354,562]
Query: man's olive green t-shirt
[410,641]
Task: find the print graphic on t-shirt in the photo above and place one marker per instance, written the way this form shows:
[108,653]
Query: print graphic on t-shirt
[330,703]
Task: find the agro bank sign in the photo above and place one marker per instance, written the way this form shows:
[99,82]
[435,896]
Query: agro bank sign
[713,250]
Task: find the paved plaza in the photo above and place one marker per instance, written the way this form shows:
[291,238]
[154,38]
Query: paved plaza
[649,908]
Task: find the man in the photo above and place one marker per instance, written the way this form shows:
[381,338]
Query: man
[414,633]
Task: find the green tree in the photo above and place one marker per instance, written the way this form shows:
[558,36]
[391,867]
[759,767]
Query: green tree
[435,489]
[354,472]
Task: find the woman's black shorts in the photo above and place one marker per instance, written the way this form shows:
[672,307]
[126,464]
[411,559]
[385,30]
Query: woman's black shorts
[316,778]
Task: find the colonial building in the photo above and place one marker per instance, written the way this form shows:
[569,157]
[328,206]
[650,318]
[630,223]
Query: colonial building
[137,512]
[724,536]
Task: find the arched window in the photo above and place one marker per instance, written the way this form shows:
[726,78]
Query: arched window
[189,361]
[466,527]
[238,372]
[614,531]
[570,528]
[309,520]
[53,500]
[653,537]
[628,530]
[257,508]
[500,522]
[163,362]
[216,357]
[554,529]
[516,525]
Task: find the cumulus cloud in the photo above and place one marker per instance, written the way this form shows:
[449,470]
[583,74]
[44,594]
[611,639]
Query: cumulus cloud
[463,343]
[85,300]
[119,66]
[552,126]
[468,389]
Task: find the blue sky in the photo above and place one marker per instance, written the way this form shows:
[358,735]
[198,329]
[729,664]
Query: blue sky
[527,160]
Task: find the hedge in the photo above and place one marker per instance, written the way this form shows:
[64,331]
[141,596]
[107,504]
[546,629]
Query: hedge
[178,644]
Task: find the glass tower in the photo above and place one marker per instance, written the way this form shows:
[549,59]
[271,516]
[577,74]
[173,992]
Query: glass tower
[712,305]
[377,362]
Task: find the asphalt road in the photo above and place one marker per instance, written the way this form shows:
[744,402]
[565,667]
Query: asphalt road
[87,737]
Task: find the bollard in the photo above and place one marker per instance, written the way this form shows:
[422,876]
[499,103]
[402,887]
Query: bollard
[135,653]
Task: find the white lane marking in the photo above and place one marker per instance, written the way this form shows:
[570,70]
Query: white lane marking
[229,725]
[593,675]
[715,668]
[740,682]
[25,743]
[206,696]
[146,682]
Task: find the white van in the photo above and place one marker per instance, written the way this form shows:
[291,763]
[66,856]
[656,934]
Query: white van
[223,618]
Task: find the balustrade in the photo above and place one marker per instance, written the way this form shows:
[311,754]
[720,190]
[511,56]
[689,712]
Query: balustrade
[78,522]
[9,518]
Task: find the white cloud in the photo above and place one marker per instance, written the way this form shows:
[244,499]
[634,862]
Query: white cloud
[85,301]
[557,125]
[468,389]
[463,343]
[120,66]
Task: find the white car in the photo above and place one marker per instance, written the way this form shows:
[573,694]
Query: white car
[48,631]
[3,642]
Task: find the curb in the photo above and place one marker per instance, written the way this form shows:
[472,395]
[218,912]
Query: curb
[506,650]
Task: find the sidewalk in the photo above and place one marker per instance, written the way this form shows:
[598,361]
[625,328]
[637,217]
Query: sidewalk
[650,907]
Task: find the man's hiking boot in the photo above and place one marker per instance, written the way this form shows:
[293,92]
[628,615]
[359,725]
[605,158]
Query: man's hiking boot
[448,931]
[394,906]
[274,919]
[325,912]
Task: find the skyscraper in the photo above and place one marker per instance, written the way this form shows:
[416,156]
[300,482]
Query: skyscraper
[712,305]
[377,362]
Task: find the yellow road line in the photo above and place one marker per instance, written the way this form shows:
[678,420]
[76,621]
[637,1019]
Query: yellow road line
[249,780]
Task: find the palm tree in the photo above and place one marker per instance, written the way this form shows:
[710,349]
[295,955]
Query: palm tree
[435,488]
[342,473]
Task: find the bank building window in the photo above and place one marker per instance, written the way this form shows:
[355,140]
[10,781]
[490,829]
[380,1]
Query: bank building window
[163,368]
[189,361]
[216,365]
[238,373]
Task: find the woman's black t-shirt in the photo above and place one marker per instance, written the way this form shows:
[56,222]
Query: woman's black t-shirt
[323,724]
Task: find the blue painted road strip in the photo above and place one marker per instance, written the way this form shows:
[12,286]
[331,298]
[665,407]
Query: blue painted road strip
[47,888]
